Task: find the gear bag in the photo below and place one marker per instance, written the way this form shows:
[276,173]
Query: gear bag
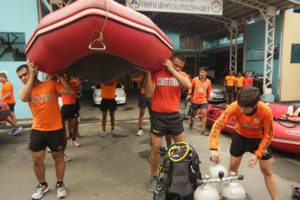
[177,180]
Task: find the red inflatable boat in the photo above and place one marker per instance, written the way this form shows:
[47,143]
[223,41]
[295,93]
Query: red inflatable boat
[4,111]
[286,133]
[97,39]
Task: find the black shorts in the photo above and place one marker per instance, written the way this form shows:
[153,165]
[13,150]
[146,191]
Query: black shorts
[69,111]
[196,106]
[238,89]
[11,107]
[229,89]
[78,104]
[55,140]
[240,145]
[166,123]
[108,104]
[144,101]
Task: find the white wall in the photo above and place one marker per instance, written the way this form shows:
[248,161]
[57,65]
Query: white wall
[290,81]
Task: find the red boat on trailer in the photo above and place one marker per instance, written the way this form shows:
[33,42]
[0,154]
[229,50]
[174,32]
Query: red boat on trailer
[286,133]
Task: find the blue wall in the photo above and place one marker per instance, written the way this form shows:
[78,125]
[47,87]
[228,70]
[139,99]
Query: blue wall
[174,37]
[255,39]
[18,16]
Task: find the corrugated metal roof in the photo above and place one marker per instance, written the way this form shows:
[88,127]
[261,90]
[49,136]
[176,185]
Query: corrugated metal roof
[212,26]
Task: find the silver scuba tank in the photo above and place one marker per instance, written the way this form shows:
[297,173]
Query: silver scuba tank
[214,172]
[206,191]
[233,190]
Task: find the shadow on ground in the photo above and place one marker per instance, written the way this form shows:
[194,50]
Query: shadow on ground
[6,139]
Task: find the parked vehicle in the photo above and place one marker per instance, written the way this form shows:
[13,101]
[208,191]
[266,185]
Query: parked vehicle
[217,95]
[120,94]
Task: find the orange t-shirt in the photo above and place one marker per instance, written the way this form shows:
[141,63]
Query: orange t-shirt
[43,104]
[69,99]
[7,86]
[201,90]
[239,82]
[108,90]
[248,81]
[166,97]
[230,80]
[259,125]
[141,80]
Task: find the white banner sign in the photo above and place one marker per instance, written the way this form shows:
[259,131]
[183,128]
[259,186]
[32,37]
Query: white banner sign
[56,1]
[208,7]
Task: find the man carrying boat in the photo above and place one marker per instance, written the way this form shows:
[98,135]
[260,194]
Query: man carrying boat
[164,87]
[47,128]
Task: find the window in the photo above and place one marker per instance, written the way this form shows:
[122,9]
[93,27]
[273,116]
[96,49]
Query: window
[12,46]
[295,55]
[189,42]
[183,42]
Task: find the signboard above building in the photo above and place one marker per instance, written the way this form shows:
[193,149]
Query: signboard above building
[207,7]
[56,1]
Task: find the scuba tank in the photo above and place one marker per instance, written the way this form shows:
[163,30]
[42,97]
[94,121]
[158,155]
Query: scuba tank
[233,190]
[214,172]
[295,193]
[206,191]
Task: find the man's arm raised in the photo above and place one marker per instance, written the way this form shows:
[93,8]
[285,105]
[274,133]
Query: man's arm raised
[67,89]
[183,81]
[26,91]
[149,86]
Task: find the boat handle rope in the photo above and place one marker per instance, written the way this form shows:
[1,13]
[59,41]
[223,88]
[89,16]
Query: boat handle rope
[100,37]
[175,147]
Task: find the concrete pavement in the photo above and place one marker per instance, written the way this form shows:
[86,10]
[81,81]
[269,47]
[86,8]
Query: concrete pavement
[118,168]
